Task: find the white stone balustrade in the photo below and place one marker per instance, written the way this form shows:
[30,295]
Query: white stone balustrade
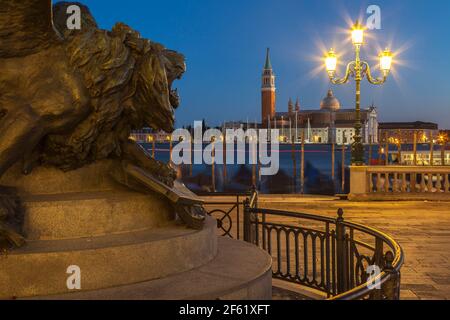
[399,183]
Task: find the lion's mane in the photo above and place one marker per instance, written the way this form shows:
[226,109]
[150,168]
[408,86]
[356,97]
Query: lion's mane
[119,70]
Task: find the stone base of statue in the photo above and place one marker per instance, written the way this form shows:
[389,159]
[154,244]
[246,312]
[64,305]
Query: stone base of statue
[126,244]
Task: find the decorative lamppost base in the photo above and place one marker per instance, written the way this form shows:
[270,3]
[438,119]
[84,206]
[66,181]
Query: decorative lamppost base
[358,154]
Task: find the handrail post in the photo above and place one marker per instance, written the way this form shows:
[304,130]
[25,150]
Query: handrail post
[378,256]
[254,192]
[378,260]
[263,220]
[341,253]
[391,288]
[247,227]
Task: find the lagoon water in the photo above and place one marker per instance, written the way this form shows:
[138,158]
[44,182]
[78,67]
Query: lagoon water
[318,171]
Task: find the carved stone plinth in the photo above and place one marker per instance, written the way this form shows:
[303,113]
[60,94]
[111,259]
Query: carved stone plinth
[128,245]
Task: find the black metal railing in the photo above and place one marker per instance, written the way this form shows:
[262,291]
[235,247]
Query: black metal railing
[228,213]
[344,260]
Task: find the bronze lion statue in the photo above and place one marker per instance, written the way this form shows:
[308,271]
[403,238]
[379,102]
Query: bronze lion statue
[69,98]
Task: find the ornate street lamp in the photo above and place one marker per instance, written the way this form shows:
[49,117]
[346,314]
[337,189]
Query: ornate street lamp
[357,69]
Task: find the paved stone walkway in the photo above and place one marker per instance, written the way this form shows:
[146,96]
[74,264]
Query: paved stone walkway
[283,294]
[422,228]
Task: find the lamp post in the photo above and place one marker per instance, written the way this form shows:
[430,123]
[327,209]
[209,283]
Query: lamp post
[358,69]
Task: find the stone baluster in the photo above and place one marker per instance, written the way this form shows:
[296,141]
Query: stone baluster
[430,182]
[386,182]
[404,184]
[423,186]
[413,182]
[379,183]
[394,182]
[438,183]
[446,183]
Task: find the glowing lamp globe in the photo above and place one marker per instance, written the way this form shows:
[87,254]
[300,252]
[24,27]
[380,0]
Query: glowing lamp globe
[331,61]
[386,61]
[357,34]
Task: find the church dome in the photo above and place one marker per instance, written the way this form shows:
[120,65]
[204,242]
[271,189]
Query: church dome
[330,102]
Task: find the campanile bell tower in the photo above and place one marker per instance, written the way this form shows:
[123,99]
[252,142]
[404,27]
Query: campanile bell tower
[268,92]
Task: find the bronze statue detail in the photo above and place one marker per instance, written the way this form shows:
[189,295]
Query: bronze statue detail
[69,98]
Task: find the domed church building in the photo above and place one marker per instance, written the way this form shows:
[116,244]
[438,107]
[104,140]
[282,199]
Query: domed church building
[330,102]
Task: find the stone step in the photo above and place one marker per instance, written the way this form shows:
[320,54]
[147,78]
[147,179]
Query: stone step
[51,180]
[40,268]
[78,215]
[240,271]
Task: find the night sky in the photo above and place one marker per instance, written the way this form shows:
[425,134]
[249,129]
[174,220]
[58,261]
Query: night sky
[225,41]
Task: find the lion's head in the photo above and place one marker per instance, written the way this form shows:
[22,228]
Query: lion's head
[155,98]
[144,70]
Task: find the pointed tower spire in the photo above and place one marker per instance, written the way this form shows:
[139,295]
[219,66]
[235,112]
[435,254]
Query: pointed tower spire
[268,65]
[297,105]
[268,91]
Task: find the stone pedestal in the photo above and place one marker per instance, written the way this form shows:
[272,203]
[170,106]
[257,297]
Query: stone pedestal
[128,245]
[358,182]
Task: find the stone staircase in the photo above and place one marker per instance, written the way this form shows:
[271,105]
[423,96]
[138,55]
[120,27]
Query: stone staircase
[127,245]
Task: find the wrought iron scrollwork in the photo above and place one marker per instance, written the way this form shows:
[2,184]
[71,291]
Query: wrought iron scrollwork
[227,214]
[221,216]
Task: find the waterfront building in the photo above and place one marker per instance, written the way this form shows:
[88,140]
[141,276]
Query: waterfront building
[445,133]
[403,132]
[147,135]
[423,157]
[244,125]
[329,124]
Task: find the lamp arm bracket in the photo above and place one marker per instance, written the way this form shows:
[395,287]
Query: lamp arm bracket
[370,78]
[348,73]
